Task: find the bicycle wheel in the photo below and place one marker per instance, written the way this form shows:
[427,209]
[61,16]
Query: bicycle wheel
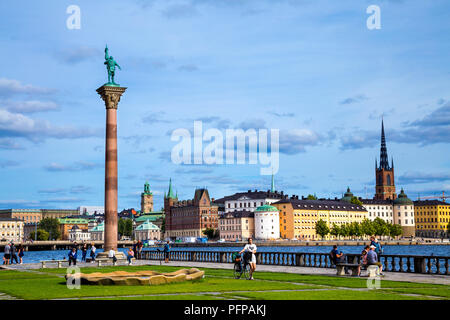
[247,271]
[237,271]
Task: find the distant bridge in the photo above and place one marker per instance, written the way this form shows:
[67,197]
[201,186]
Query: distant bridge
[61,244]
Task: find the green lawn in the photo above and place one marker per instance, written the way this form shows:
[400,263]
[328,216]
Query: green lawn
[217,284]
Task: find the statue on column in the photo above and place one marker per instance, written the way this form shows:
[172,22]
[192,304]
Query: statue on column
[110,67]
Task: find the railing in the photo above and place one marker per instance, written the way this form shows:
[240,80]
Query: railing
[391,263]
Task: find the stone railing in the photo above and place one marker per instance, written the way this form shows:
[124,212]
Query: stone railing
[391,263]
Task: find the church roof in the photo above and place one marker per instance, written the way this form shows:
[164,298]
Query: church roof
[266,208]
[403,199]
[147,225]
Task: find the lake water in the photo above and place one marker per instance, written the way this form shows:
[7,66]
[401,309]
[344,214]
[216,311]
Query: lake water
[437,250]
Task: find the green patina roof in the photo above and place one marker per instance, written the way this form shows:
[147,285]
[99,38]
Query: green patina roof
[152,216]
[403,199]
[147,225]
[348,195]
[73,220]
[100,227]
[170,194]
[266,208]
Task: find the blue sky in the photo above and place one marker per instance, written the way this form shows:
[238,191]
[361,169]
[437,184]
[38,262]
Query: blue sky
[309,68]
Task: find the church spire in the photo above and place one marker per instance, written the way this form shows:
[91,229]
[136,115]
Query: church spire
[384,162]
[170,192]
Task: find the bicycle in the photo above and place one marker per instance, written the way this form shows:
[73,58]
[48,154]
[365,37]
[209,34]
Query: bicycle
[241,266]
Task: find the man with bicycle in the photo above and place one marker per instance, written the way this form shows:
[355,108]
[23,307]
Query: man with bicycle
[250,256]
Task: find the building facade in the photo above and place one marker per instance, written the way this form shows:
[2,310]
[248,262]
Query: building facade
[97,233]
[66,224]
[404,214]
[146,199]
[237,225]
[79,235]
[189,218]
[147,231]
[11,229]
[298,217]
[267,223]
[432,218]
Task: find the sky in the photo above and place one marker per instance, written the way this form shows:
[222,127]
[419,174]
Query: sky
[311,69]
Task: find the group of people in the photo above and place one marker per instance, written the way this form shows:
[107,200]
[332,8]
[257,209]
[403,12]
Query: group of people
[370,256]
[73,253]
[11,252]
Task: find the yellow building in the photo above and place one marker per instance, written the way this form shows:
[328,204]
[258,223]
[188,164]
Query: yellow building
[432,218]
[298,217]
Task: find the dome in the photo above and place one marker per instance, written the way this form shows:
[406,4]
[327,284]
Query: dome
[403,199]
[348,195]
[266,208]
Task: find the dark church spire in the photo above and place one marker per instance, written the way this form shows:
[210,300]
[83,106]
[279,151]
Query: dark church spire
[384,162]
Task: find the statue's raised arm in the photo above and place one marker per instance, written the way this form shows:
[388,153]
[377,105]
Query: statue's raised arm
[110,67]
[106,53]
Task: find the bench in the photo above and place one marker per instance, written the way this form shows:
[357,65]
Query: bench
[340,267]
[100,260]
[59,262]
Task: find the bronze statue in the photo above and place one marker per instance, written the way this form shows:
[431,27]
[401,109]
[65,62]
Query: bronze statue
[110,67]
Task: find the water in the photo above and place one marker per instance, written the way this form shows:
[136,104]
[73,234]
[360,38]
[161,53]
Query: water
[426,250]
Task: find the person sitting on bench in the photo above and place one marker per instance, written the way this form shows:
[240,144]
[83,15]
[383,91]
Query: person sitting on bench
[363,260]
[338,257]
[372,259]
[112,255]
[73,256]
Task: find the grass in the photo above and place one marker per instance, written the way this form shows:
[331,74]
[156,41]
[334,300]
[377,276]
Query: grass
[217,284]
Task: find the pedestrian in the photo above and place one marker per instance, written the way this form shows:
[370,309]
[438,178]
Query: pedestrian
[73,256]
[378,248]
[93,248]
[7,254]
[21,253]
[112,255]
[372,259]
[130,255]
[84,252]
[140,246]
[363,259]
[166,252]
[250,256]
[135,248]
[13,253]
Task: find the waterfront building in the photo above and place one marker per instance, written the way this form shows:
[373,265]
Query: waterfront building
[155,217]
[97,233]
[298,217]
[267,223]
[384,173]
[147,231]
[36,215]
[404,214]
[91,210]
[58,213]
[11,229]
[189,218]
[432,218]
[66,224]
[382,209]
[146,199]
[237,225]
[79,235]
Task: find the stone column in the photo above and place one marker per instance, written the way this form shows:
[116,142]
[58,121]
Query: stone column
[111,95]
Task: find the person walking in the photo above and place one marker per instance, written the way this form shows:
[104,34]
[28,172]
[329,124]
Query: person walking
[93,249]
[372,259]
[83,252]
[130,255]
[73,256]
[250,256]
[21,251]
[166,252]
[7,254]
[13,253]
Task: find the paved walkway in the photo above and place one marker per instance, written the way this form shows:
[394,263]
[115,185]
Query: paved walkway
[394,276]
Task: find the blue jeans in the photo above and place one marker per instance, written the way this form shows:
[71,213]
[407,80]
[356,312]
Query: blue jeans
[129,258]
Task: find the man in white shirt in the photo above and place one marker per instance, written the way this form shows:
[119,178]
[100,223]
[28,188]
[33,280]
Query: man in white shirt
[112,255]
[251,249]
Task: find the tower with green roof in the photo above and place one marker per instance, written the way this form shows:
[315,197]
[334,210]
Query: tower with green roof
[146,199]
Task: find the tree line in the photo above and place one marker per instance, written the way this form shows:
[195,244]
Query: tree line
[355,229]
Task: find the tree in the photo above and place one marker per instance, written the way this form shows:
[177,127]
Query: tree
[121,227]
[355,229]
[355,200]
[381,227]
[125,227]
[209,232]
[42,235]
[344,230]
[51,226]
[395,230]
[335,230]
[322,228]
[311,197]
[448,228]
[367,227]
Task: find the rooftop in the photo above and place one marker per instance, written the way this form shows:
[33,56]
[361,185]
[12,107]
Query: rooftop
[336,205]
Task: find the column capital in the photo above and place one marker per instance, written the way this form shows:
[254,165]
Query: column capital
[111,95]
